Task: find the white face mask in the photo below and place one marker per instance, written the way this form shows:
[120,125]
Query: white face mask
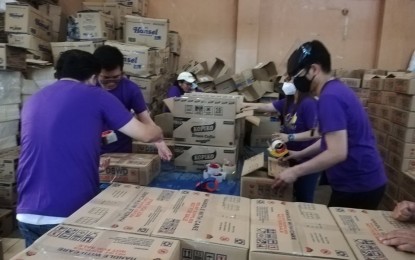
[288,88]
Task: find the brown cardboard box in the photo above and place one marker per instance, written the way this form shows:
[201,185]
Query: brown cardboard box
[300,231]
[362,229]
[405,150]
[256,180]
[95,25]
[399,163]
[405,85]
[385,112]
[224,84]
[193,158]
[6,222]
[394,175]
[146,31]
[148,86]
[59,47]
[138,60]
[368,82]
[381,138]
[26,19]
[131,168]
[403,118]
[161,60]
[219,69]
[375,96]
[124,208]
[8,166]
[403,133]
[12,58]
[352,82]
[374,109]
[150,148]
[389,98]
[165,121]
[8,194]
[389,83]
[361,92]
[175,42]
[405,102]
[407,183]
[267,74]
[385,126]
[200,69]
[377,83]
[28,41]
[383,152]
[69,242]
[375,122]
[117,10]
[204,131]
[243,79]
[214,226]
[254,91]
[344,73]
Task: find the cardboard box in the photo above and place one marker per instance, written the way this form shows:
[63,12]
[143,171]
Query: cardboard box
[385,126]
[209,226]
[131,168]
[165,121]
[394,175]
[405,85]
[117,10]
[385,112]
[267,74]
[344,73]
[124,208]
[6,222]
[377,83]
[362,92]
[405,150]
[206,107]
[375,96]
[148,86]
[9,112]
[404,134]
[403,118]
[173,63]
[9,128]
[256,180]
[407,183]
[69,242]
[244,79]
[284,230]
[405,102]
[219,69]
[12,58]
[175,42]
[93,25]
[381,138]
[8,142]
[362,229]
[28,41]
[8,194]
[161,60]
[204,131]
[8,166]
[351,82]
[397,162]
[150,148]
[59,47]
[372,81]
[374,109]
[146,31]
[389,98]
[389,83]
[263,132]
[254,91]
[26,19]
[224,84]
[193,158]
[138,60]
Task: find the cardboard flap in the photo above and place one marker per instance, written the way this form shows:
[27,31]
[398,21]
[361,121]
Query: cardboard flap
[169,102]
[253,120]
[245,114]
[252,164]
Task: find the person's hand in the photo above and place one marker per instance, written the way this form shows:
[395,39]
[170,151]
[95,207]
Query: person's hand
[404,211]
[103,165]
[249,106]
[286,177]
[164,151]
[280,136]
[402,239]
[292,155]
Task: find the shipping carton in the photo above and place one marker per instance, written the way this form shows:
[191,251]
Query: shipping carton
[374,109]
[131,168]
[381,138]
[124,208]
[256,179]
[204,131]
[117,10]
[175,42]
[93,25]
[161,60]
[351,82]
[224,84]
[138,60]
[150,148]
[28,41]
[8,166]
[266,74]
[403,118]
[376,96]
[405,150]
[389,98]
[165,122]
[403,133]
[59,47]
[385,112]
[6,222]
[405,84]
[262,133]
[193,158]
[405,102]
[362,229]
[146,31]
[148,86]
[8,194]
[344,73]
[300,231]
[244,79]
[209,226]
[26,19]
[68,242]
[219,69]
[254,91]
[377,83]
[12,58]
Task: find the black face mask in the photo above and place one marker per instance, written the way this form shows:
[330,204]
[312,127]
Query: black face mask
[303,84]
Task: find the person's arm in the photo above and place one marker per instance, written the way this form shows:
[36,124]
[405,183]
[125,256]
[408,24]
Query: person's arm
[335,153]
[404,211]
[260,107]
[142,132]
[401,239]
[298,137]
[308,152]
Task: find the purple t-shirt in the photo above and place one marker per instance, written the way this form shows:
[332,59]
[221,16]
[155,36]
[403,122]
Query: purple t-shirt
[340,109]
[130,95]
[304,119]
[60,146]
[174,91]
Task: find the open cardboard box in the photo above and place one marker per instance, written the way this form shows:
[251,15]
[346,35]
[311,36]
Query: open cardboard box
[256,179]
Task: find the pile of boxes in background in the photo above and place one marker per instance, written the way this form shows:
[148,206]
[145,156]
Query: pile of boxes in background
[390,100]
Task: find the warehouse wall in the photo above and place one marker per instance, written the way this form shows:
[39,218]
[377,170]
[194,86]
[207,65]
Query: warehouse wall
[371,33]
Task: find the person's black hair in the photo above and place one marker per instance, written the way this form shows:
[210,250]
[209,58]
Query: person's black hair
[110,57]
[77,64]
[309,53]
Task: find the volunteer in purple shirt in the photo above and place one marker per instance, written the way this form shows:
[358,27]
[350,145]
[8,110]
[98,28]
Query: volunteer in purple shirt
[61,143]
[347,149]
[185,83]
[298,112]
[113,80]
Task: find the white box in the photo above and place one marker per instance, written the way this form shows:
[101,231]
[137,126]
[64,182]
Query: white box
[28,41]
[194,158]
[9,128]
[68,242]
[214,226]
[118,10]
[205,106]
[124,208]
[95,26]
[146,31]
[148,86]
[175,42]
[26,19]
[138,60]
[59,47]
[9,112]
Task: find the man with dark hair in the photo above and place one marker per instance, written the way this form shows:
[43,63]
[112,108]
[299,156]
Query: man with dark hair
[112,79]
[347,149]
[61,142]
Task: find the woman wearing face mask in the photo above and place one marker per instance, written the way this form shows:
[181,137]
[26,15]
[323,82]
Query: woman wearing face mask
[347,149]
[185,83]
[298,112]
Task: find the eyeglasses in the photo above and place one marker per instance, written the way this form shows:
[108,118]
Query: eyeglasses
[116,77]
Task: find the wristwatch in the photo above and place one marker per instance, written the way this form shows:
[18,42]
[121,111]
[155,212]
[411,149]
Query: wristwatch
[291,137]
